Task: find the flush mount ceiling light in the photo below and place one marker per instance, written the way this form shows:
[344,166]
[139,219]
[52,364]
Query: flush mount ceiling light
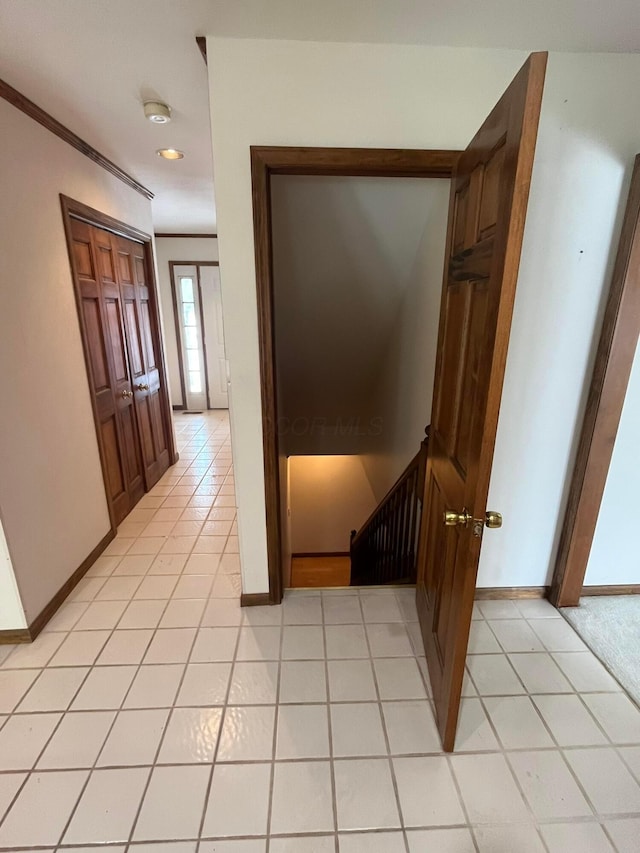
[157,112]
[170,153]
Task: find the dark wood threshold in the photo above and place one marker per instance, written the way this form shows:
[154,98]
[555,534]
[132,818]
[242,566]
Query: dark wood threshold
[164,234]
[255,599]
[486,593]
[22,103]
[612,589]
[27,635]
[321,554]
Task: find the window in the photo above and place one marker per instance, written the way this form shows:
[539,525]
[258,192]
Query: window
[190,334]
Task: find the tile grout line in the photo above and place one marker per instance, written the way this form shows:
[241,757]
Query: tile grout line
[609,744]
[33,769]
[506,753]
[390,765]
[511,770]
[276,726]
[165,728]
[93,768]
[207,791]
[332,778]
[29,772]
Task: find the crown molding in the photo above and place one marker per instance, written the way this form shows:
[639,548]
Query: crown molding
[22,103]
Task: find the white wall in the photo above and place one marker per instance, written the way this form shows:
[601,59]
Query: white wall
[329,497]
[615,556]
[177,249]
[11,611]
[52,497]
[292,93]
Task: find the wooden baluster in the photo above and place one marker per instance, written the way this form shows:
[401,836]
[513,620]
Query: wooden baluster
[387,542]
[395,531]
[407,498]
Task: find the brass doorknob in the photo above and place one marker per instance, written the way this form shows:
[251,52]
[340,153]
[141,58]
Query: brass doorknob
[493,520]
[142,386]
[453,519]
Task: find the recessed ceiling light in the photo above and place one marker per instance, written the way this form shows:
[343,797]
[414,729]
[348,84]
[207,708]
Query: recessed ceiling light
[157,112]
[170,153]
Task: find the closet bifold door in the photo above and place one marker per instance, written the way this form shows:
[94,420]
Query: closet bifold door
[101,317]
[143,339]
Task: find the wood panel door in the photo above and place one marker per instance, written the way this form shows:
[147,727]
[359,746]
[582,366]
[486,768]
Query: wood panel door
[101,319]
[490,188]
[143,339]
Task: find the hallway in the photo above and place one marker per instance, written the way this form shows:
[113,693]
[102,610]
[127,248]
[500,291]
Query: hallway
[153,715]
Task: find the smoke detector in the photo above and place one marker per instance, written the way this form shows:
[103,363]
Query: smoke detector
[157,112]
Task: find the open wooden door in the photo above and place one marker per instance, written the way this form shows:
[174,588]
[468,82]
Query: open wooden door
[490,188]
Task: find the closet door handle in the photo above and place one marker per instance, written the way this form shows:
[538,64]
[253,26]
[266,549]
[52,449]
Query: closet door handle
[142,386]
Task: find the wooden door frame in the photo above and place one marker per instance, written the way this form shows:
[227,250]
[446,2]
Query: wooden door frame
[174,296]
[611,372]
[72,209]
[328,162]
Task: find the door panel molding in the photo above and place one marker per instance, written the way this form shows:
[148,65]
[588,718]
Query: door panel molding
[614,360]
[82,264]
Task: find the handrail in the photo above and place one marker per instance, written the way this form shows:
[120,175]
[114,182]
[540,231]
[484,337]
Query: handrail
[384,550]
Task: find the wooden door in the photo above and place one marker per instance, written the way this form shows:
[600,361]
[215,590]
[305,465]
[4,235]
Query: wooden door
[143,340]
[490,187]
[101,318]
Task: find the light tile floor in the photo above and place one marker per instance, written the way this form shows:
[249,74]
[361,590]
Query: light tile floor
[154,716]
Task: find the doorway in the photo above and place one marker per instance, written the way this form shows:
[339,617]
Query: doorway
[357,268]
[266,163]
[490,183]
[197,308]
[112,269]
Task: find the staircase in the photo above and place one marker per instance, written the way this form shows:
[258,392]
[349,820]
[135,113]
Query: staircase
[385,549]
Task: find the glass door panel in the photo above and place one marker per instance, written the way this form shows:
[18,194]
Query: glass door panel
[187,293]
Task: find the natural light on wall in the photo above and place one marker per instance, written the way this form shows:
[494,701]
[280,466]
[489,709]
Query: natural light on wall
[193,348]
[329,496]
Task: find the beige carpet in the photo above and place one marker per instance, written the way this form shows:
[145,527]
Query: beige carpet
[610,626]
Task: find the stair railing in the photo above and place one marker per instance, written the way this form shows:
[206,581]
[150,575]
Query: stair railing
[385,548]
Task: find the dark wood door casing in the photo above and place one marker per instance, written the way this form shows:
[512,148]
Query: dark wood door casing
[116,297]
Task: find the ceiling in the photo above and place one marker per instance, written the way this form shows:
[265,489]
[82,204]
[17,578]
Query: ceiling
[91,63]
